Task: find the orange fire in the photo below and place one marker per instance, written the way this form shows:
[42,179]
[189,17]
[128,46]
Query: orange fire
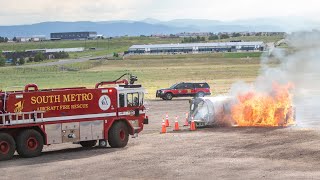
[265,109]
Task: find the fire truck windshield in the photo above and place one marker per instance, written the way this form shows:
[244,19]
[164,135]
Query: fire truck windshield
[133,99]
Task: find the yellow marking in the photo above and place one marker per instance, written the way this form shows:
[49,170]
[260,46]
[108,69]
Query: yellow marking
[18,107]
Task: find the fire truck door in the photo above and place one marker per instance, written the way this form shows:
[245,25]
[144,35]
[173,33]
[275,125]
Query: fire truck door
[129,103]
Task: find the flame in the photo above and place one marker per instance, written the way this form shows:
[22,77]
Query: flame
[265,109]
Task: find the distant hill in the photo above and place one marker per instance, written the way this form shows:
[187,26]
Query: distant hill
[153,26]
[114,28]
[286,24]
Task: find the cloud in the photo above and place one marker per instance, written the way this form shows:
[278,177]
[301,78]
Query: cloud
[32,11]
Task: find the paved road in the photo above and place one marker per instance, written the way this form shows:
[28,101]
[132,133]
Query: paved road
[211,153]
[66,61]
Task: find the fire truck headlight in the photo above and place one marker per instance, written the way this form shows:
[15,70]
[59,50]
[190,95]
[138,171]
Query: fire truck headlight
[135,123]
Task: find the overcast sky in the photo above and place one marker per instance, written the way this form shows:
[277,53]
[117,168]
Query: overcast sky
[33,11]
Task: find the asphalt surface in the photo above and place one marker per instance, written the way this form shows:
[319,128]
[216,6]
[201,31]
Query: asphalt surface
[211,153]
[65,61]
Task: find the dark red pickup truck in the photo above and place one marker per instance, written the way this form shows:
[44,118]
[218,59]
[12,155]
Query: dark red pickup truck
[184,89]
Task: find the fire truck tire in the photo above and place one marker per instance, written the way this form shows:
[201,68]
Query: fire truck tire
[29,143]
[88,143]
[7,146]
[169,96]
[163,98]
[118,135]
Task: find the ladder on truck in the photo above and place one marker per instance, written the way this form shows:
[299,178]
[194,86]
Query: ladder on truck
[21,118]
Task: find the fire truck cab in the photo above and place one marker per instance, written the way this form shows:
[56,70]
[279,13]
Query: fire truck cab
[33,117]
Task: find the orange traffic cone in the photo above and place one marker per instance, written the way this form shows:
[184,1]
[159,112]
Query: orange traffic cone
[167,120]
[176,125]
[193,125]
[186,123]
[164,128]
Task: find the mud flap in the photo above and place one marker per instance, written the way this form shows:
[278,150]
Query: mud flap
[146,121]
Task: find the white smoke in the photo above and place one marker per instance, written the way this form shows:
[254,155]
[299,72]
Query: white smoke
[299,64]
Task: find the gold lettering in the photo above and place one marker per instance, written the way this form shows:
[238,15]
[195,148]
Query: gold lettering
[39,100]
[66,98]
[64,107]
[51,98]
[57,98]
[45,99]
[79,106]
[33,100]
[84,97]
[41,109]
[73,97]
[78,97]
[90,96]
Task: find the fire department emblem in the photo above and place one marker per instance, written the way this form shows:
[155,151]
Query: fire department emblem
[104,102]
[18,107]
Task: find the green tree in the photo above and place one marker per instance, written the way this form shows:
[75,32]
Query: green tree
[14,61]
[236,34]
[39,57]
[214,37]
[224,36]
[31,59]
[2,60]
[21,61]
[3,39]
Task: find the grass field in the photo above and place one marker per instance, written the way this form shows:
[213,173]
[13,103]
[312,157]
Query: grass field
[220,70]
[153,74]
[117,44]
[108,46]
[102,46]
[265,39]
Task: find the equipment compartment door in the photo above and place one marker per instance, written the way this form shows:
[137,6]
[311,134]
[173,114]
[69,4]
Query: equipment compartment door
[85,131]
[92,130]
[70,132]
[97,129]
[53,132]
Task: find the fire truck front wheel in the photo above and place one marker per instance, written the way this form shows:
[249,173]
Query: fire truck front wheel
[118,135]
[29,143]
[7,146]
[88,143]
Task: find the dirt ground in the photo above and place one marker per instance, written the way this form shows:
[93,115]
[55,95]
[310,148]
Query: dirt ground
[224,153]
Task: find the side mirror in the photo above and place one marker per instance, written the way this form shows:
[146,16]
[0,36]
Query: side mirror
[136,112]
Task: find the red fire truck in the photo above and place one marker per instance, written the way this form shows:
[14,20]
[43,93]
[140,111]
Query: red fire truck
[33,117]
